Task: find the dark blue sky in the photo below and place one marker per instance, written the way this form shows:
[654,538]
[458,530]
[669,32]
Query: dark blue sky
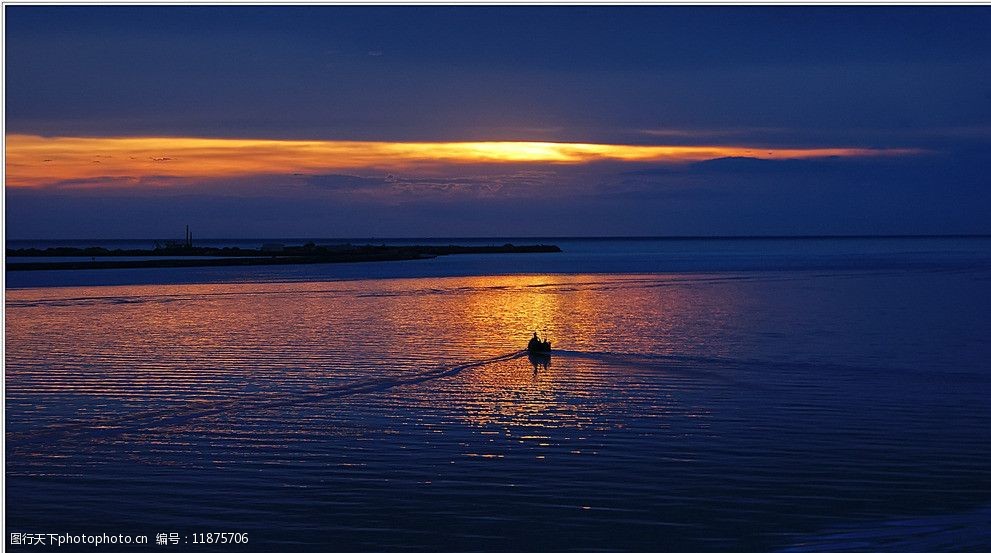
[763,77]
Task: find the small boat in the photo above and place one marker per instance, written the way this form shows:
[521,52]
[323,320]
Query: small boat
[536,346]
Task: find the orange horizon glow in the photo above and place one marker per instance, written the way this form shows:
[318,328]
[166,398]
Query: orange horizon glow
[36,161]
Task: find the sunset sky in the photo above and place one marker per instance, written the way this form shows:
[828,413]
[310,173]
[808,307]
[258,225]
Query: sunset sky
[325,121]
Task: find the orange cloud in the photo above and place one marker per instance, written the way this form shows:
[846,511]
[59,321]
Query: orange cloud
[40,161]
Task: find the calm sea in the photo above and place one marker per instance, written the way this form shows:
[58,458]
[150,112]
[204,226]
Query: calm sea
[705,395]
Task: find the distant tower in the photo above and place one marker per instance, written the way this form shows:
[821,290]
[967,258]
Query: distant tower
[189,238]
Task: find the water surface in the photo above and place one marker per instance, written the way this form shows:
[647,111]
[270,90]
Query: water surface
[785,410]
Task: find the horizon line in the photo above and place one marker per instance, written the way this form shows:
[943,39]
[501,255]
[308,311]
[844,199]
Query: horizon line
[540,237]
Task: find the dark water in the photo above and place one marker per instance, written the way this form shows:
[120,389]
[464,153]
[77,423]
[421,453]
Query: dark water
[813,409]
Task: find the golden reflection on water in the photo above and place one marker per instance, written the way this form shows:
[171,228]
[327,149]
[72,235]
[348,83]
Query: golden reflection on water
[237,346]
[587,314]
[594,312]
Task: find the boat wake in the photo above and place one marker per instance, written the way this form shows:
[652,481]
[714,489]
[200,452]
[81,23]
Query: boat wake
[102,427]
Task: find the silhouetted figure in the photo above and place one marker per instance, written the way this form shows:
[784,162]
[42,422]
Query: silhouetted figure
[536,345]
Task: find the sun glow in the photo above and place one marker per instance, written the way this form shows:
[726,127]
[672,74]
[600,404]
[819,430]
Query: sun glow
[41,161]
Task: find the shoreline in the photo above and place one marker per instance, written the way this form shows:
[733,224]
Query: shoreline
[226,257]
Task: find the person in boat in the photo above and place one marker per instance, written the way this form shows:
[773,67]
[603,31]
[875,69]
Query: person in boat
[537,345]
[534,343]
